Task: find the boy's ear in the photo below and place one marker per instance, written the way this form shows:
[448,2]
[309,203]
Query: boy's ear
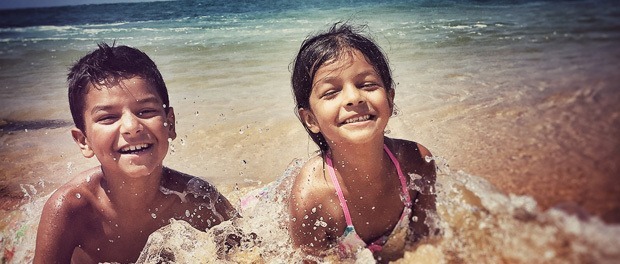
[170,119]
[80,138]
[309,120]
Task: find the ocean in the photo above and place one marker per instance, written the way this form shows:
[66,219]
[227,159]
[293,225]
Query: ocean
[518,100]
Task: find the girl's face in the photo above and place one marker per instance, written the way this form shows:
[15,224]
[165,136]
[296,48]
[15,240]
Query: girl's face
[348,102]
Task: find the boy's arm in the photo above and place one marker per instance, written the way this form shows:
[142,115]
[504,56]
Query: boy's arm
[424,203]
[55,239]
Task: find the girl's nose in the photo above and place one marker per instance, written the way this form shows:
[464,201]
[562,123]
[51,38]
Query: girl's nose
[130,124]
[353,96]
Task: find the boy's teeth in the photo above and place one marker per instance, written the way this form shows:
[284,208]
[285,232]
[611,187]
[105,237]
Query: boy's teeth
[357,119]
[134,148]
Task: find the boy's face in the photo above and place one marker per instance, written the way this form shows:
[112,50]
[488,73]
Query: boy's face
[126,128]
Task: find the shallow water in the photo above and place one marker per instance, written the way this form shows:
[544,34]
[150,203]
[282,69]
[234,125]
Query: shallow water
[521,94]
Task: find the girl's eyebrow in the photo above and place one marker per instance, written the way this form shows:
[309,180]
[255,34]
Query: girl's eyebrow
[329,78]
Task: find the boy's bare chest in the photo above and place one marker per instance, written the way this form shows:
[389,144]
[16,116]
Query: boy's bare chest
[119,239]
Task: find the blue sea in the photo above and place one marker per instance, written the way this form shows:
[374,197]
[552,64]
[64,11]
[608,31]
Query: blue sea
[519,99]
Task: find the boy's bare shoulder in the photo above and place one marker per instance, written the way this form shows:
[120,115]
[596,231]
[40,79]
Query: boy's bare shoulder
[195,192]
[77,193]
[182,182]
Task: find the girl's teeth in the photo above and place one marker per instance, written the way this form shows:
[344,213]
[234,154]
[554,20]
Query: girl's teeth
[357,119]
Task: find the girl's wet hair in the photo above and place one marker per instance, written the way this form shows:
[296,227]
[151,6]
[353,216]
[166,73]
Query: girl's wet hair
[339,41]
[107,66]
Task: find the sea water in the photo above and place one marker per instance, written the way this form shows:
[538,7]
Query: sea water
[518,97]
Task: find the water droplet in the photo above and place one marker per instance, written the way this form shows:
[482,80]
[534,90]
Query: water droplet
[414,218]
[313,210]
[187,214]
[164,105]
[165,124]
[428,159]
[77,195]
[88,178]
[154,215]
[169,140]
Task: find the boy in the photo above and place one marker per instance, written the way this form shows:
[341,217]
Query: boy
[120,106]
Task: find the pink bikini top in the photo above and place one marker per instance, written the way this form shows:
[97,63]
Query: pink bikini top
[350,242]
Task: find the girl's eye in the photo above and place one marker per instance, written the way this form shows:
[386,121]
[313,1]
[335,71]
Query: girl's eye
[370,86]
[329,94]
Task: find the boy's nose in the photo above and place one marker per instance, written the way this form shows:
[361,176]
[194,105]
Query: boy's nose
[130,124]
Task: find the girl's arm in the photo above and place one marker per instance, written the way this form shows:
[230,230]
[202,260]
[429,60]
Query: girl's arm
[309,222]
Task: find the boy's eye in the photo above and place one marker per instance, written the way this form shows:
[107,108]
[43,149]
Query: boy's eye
[147,112]
[106,119]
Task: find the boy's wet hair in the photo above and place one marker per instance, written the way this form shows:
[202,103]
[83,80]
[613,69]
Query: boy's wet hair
[339,41]
[107,66]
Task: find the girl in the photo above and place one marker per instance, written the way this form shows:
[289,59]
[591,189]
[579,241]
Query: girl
[358,192]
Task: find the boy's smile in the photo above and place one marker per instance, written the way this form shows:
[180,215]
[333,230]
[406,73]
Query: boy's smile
[127,127]
[348,101]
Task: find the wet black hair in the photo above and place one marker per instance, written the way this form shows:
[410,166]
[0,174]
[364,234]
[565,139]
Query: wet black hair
[107,66]
[339,41]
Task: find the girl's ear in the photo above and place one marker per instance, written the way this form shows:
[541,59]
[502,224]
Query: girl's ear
[390,97]
[309,120]
[170,120]
[80,138]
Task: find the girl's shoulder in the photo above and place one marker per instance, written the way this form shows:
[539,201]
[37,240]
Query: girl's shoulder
[412,156]
[313,187]
[407,149]
[312,177]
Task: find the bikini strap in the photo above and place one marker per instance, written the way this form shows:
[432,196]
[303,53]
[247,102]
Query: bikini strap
[343,202]
[403,180]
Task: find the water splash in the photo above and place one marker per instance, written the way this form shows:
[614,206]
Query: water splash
[476,224]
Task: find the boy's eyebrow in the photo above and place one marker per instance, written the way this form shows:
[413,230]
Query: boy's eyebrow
[146,100]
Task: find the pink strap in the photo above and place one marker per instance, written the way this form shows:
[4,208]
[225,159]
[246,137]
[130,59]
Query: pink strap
[403,181]
[343,202]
